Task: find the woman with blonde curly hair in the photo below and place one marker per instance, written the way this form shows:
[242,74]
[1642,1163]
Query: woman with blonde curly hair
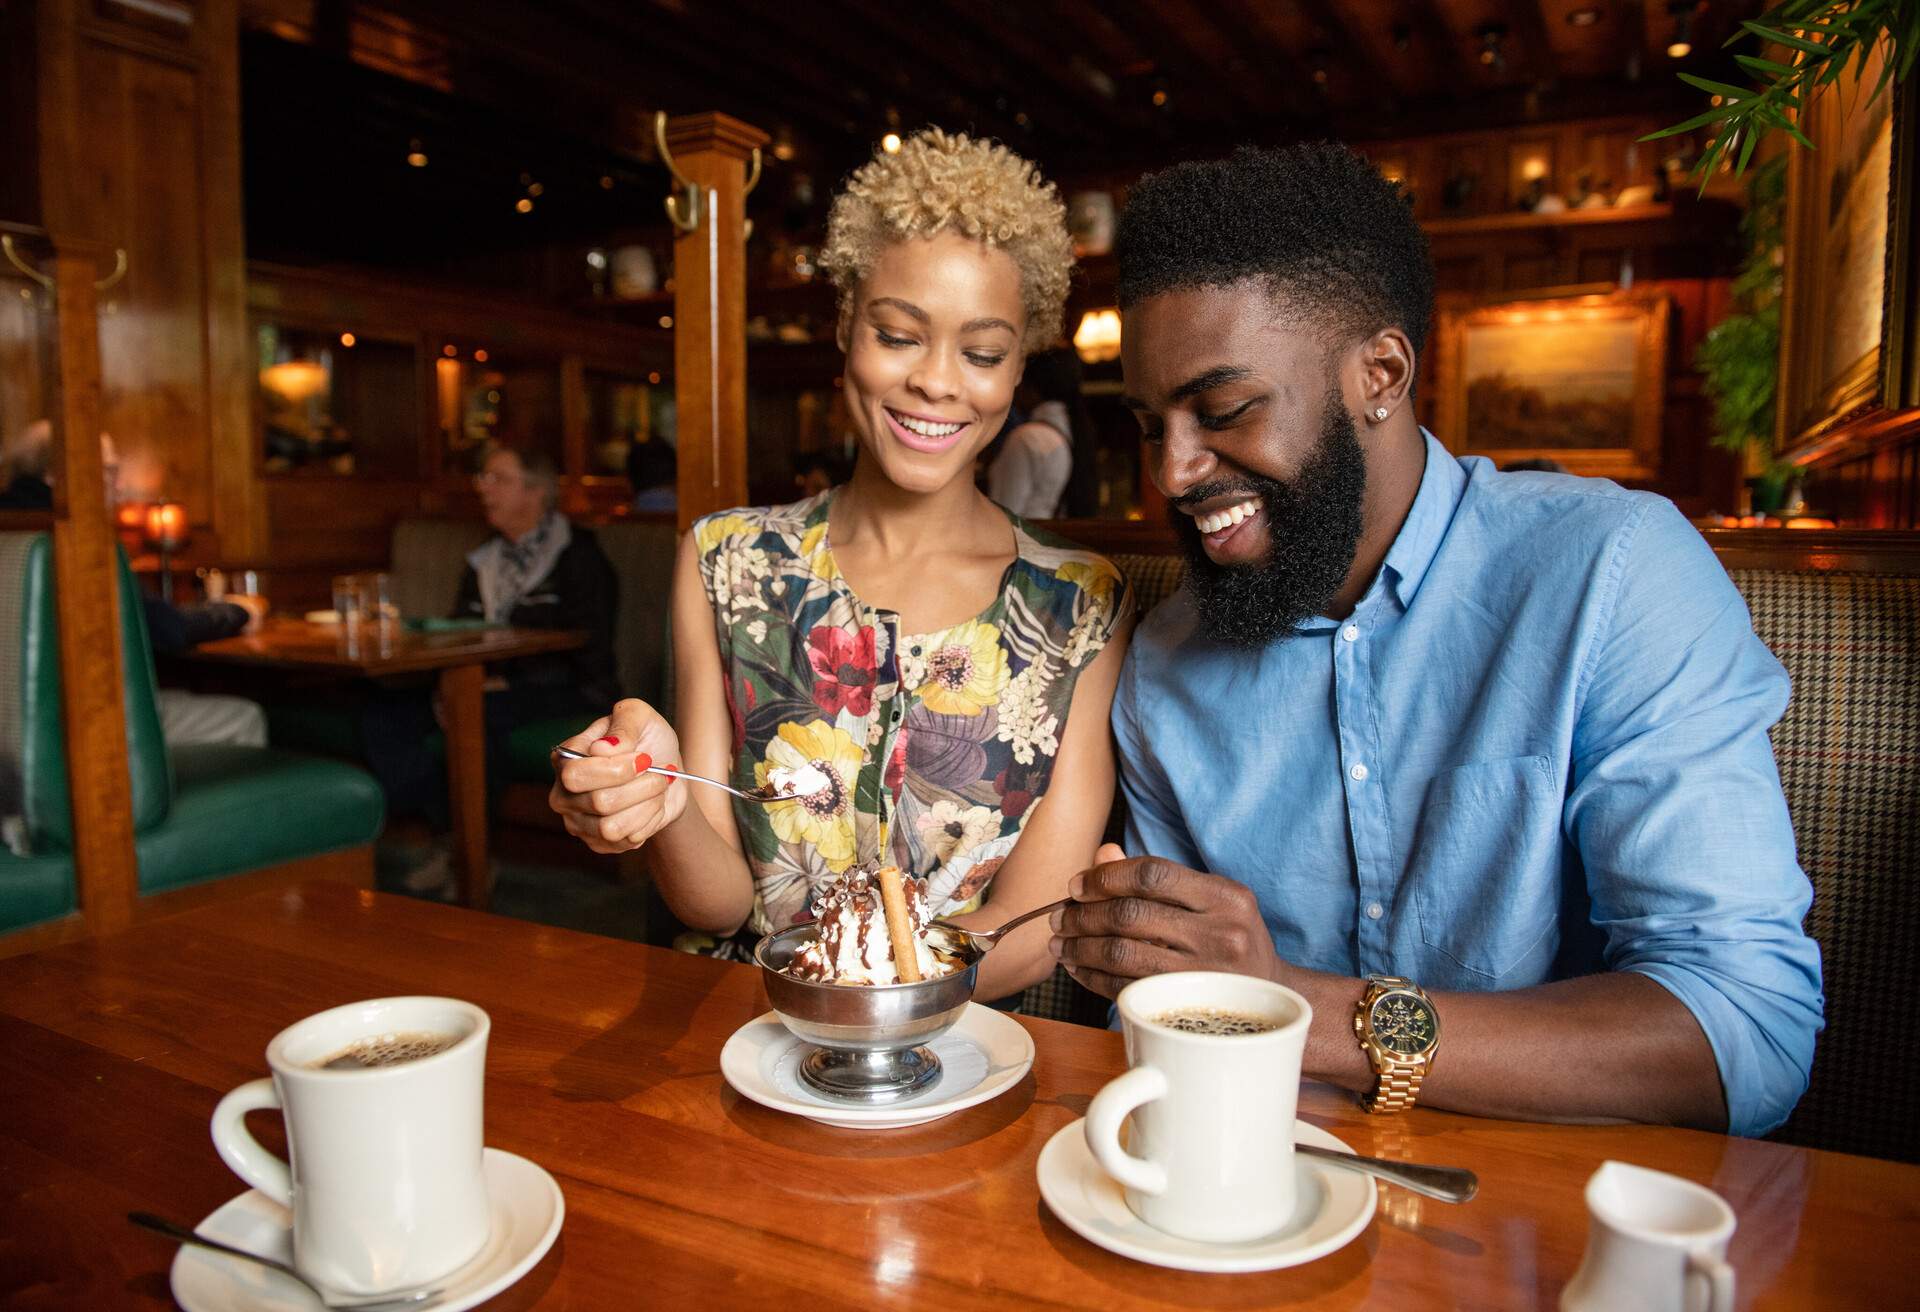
[942,665]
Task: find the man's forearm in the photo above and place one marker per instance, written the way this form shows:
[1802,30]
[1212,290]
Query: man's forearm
[1612,1047]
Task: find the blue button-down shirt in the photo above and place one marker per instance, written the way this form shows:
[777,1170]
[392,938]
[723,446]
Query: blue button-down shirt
[1537,748]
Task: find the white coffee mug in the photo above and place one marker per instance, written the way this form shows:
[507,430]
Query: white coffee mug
[1212,1114]
[1655,1243]
[385,1182]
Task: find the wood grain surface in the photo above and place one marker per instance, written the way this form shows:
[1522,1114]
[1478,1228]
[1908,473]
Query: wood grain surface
[604,1069]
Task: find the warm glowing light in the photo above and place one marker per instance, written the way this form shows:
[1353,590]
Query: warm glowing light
[1586,17]
[348,339]
[1098,336]
[416,154]
[295,381]
[606,182]
[449,351]
[890,143]
[1533,168]
[666,321]
[1488,54]
[1159,98]
[524,205]
[537,189]
[1679,50]
[654,377]
[480,356]
[167,524]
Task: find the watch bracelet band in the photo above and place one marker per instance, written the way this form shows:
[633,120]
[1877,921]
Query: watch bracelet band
[1393,1091]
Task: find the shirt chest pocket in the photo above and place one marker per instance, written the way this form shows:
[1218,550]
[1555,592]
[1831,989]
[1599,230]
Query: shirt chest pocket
[1486,866]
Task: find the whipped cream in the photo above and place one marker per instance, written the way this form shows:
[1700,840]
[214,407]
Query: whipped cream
[798,780]
[854,947]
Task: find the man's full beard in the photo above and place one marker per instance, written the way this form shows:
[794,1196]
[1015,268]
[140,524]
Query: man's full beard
[1313,530]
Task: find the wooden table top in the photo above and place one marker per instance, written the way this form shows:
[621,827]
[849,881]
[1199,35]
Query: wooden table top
[604,1068]
[286,643]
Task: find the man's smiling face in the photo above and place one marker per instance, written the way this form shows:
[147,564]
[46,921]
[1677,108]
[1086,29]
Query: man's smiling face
[1248,436]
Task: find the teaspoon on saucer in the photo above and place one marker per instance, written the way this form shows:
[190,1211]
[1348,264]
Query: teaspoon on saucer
[1449,1184]
[419,1298]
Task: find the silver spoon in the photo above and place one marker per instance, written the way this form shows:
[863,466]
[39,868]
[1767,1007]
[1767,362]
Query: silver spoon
[765,794]
[1450,1184]
[419,1298]
[986,938]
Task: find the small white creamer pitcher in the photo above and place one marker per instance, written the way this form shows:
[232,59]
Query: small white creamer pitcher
[1656,1243]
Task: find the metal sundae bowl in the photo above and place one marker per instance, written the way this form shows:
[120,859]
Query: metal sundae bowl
[871,1040]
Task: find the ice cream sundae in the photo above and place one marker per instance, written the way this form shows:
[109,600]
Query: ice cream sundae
[797,780]
[862,916]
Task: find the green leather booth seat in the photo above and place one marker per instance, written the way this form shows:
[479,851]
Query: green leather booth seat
[244,808]
[35,888]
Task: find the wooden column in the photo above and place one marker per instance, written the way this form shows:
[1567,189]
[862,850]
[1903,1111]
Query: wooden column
[86,583]
[710,312]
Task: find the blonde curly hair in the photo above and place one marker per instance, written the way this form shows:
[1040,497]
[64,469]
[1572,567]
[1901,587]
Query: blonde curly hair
[939,180]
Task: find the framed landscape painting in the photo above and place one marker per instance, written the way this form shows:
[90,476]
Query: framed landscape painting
[1576,379]
[1848,377]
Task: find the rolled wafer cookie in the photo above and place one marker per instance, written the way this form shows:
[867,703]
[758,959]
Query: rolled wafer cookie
[893,900]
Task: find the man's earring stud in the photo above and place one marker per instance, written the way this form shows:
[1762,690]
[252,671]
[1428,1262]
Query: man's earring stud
[1379,412]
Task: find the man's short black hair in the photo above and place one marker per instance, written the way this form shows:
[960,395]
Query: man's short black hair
[1316,221]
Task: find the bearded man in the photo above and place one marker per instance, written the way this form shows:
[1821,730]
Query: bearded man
[1476,762]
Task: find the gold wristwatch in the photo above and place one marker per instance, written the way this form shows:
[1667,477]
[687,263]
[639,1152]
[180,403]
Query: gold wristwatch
[1399,1031]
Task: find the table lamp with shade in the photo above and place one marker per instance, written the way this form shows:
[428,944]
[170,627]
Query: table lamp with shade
[167,533]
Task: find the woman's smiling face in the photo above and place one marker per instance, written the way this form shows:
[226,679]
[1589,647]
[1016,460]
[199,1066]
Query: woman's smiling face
[932,341]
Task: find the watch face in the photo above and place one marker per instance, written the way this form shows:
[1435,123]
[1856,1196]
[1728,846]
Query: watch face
[1403,1024]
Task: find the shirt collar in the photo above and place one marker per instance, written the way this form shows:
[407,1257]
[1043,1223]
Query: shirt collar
[1413,550]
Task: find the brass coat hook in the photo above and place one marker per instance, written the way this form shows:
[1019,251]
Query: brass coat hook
[17,261]
[683,207]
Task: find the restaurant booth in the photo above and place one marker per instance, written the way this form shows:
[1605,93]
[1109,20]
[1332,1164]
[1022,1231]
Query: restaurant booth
[284,415]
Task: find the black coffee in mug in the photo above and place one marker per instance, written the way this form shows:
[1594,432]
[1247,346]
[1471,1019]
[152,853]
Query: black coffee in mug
[386,1050]
[1212,1020]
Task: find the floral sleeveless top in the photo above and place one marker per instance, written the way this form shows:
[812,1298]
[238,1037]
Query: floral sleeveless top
[939,745]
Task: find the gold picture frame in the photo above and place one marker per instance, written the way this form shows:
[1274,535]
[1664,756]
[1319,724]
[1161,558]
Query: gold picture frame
[1579,379]
[1848,344]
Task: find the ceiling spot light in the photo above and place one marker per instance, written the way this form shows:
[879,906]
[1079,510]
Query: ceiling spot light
[480,356]
[1682,44]
[666,321]
[416,154]
[347,340]
[1583,17]
[1159,99]
[783,149]
[524,205]
[1493,44]
[654,377]
[606,182]
[891,143]
[537,189]
[449,350]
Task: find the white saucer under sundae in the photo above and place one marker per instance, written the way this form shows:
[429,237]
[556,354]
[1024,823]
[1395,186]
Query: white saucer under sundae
[856,941]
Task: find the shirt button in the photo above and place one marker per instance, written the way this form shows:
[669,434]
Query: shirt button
[1375,911]
[1351,633]
[1359,772]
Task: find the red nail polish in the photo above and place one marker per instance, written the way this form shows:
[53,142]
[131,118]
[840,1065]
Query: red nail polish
[642,763]
[611,741]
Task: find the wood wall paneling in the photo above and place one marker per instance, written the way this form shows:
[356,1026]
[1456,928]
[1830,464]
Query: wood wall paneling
[139,151]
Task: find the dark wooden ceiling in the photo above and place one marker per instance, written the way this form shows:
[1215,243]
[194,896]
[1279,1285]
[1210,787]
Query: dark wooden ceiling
[1108,80]
[1087,88]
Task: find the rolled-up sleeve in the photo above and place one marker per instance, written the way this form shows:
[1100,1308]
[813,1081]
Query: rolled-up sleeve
[1676,808]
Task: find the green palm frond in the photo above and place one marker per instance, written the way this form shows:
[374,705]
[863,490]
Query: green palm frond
[1822,39]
